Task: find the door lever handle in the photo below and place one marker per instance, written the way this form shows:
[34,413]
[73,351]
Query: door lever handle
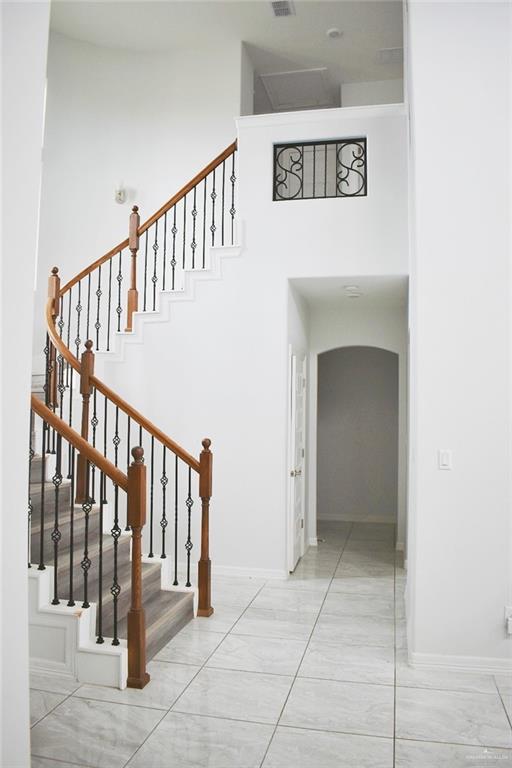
[296,473]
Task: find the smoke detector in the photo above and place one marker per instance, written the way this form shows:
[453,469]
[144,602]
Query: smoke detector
[334,33]
[352,291]
[283,8]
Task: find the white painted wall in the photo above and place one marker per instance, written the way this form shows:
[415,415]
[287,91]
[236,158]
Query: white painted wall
[220,367]
[148,120]
[246,83]
[460,534]
[372,92]
[24,45]
[359,324]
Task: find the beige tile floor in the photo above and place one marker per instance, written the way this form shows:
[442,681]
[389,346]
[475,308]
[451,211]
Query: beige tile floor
[310,672]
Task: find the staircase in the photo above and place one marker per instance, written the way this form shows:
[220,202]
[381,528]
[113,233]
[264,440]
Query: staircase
[112,500]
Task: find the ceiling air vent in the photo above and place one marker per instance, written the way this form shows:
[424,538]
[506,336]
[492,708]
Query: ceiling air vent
[390,55]
[283,8]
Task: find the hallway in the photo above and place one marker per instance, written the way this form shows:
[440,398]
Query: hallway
[305,673]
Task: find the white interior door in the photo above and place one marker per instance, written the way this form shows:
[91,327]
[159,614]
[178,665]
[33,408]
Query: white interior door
[296,454]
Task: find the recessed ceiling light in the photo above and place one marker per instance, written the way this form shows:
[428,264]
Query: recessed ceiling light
[352,288]
[334,33]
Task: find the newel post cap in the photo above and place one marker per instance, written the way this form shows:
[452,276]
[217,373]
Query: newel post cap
[138,454]
[206,443]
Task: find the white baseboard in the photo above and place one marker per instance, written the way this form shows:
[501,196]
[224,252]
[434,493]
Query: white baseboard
[248,573]
[475,664]
[362,519]
[313,541]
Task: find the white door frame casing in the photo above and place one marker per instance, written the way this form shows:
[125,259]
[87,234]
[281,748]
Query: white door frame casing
[295,359]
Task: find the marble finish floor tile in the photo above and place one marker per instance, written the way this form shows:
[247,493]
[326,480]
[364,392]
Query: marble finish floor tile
[346,707]
[369,547]
[90,733]
[341,604]
[289,600]
[222,619]
[167,682]
[370,569]
[364,585]
[42,702]
[49,762]
[356,630]
[349,663]
[417,754]
[259,654]
[298,748]
[237,695]
[296,583]
[365,558]
[410,677]
[452,717]
[192,741]
[190,647]
[234,592]
[54,683]
[372,532]
[263,622]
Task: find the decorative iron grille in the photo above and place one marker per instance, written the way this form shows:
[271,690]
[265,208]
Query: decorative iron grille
[320,169]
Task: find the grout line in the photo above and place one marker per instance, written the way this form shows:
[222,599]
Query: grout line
[307,646]
[394,653]
[201,667]
[53,708]
[502,702]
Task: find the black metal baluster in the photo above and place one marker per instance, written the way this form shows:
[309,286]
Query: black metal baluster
[97,324]
[223,193]
[174,231]
[56,534]
[145,268]
[105,415]
[314,170]
[119,278]
[175,582]
[71,600]
[109,302]
[140,436]
[31,454]
[86,562]
[94,424]
[184,229]
[115,589]
[213,196]
[154,279]
[151,493]
[116,439]
[204,220]
[164,480]
[88,304]
[41,566]
[70,421]
[127,527]
[46,385]
[99,638]
[164,260]
[68,334]
[232,210]
[78,340]
[325,170]
[193,244]
[188,544]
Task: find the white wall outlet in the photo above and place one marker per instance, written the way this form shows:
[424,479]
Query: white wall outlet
[444,458]
[508,619]
[120,194]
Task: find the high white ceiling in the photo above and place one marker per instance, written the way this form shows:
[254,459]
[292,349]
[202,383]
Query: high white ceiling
[377,292]
[275,44]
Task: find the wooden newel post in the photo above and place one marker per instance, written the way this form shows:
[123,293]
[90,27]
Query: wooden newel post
[86,371]
[137,675]
[133,245]
[204,566]
[54,296]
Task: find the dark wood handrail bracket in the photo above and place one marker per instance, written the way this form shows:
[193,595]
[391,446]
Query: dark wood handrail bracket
[71,385]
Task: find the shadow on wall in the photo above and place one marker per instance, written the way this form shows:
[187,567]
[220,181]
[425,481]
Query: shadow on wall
[357,459]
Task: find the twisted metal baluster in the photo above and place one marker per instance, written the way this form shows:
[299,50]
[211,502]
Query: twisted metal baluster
[70,421]
[94,424]
[97,324]
[204,220]
[78,308]
[232,210]
[145,268]
[184,229]
[116,439]
[188,544]
[151,487]
[71,600]
[88,304]
[99,638]
[115,589]
[154,279]
[193,244]
[223,194]
[86,562]
[174,231]
[68,334]
[119,278]
[109,302]
[41,566]
[127,527]
[213,196]
[56,534]
[175,582]
[164,480]
[164,260]
[31,454]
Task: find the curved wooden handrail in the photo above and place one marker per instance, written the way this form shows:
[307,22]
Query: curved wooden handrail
[161,211]
[85,449]
[145,423]
[114,397]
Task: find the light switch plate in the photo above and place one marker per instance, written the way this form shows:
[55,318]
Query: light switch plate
[444,458]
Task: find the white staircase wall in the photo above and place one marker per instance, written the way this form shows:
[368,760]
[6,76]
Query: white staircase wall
[218,367]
